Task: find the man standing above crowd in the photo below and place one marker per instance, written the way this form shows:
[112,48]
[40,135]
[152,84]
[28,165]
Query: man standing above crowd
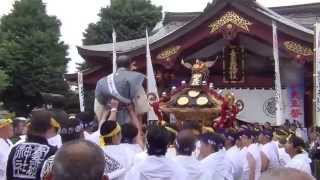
[26,159]
[125,86]
[6,132]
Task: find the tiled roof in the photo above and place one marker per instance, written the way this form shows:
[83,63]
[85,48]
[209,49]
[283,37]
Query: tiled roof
[300,17]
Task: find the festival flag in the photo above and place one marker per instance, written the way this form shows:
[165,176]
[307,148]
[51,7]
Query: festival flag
[151,81]
[317,75]
[80,91]
[278,96]
[114,52]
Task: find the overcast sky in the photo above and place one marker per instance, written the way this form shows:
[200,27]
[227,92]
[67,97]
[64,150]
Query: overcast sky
[75,15]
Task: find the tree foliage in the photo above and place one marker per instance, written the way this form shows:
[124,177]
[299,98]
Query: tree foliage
[128,17]
[4,80]
[31,54]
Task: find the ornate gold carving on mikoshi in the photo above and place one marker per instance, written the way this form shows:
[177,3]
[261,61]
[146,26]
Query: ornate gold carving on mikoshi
[230,17]
[298,48]
[167,53]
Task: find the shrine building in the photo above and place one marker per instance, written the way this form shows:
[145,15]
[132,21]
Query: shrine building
[239,34]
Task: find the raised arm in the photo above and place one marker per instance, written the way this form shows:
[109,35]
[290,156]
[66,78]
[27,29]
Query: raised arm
[114,109]
[135,121]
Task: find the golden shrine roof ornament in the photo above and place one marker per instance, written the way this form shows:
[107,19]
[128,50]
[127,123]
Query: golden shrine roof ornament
[230,17]
[167,53]
[298,48]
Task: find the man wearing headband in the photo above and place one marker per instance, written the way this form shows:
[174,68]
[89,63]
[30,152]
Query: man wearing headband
[269,151]
[19,128]
[212,157]
[156,165]
[300,160]
[117,157]
[280,137]
[251,152]
[71,129]
[90,124]
[185,145]
[233,154]
[58,117]
[6,132]
[26,159]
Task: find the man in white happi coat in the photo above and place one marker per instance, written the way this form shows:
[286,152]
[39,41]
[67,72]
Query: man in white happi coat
[185,145]
[269,151]
[299,157]
[156,165]
[251,153]
[212,157]
[280,138]
[125,86]
[6,132]
[233,154]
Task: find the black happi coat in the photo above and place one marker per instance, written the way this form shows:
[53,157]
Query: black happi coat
[26,159]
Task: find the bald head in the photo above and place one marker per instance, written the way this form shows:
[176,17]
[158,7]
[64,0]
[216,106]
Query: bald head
[186,142]
[286,174]
[81,160]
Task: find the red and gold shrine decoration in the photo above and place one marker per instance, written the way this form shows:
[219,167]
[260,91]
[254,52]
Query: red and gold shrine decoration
[229,111]
[229,18]
[168,53]
[300,51]
[233,64]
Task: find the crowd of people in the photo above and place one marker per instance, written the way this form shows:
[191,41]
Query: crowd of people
[115,143]
[54,145]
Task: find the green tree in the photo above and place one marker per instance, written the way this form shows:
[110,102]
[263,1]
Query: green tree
[128,17]
[31,54]
[4,80]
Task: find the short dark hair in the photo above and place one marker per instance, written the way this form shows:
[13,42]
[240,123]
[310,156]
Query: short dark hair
[129,132]
[192,125]
[185,142]
[215,140]
[123,61]
[80,159]
[297,142]
[40,121]
[88,121]
[71,129]
[106,128]
[157,140]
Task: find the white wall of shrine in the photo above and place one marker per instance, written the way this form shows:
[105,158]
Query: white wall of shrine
[259,105]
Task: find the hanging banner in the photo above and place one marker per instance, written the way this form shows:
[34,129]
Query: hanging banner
[278,96]
[317,76]
[114,52]
[151,80]
[80,91]
[296,103]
